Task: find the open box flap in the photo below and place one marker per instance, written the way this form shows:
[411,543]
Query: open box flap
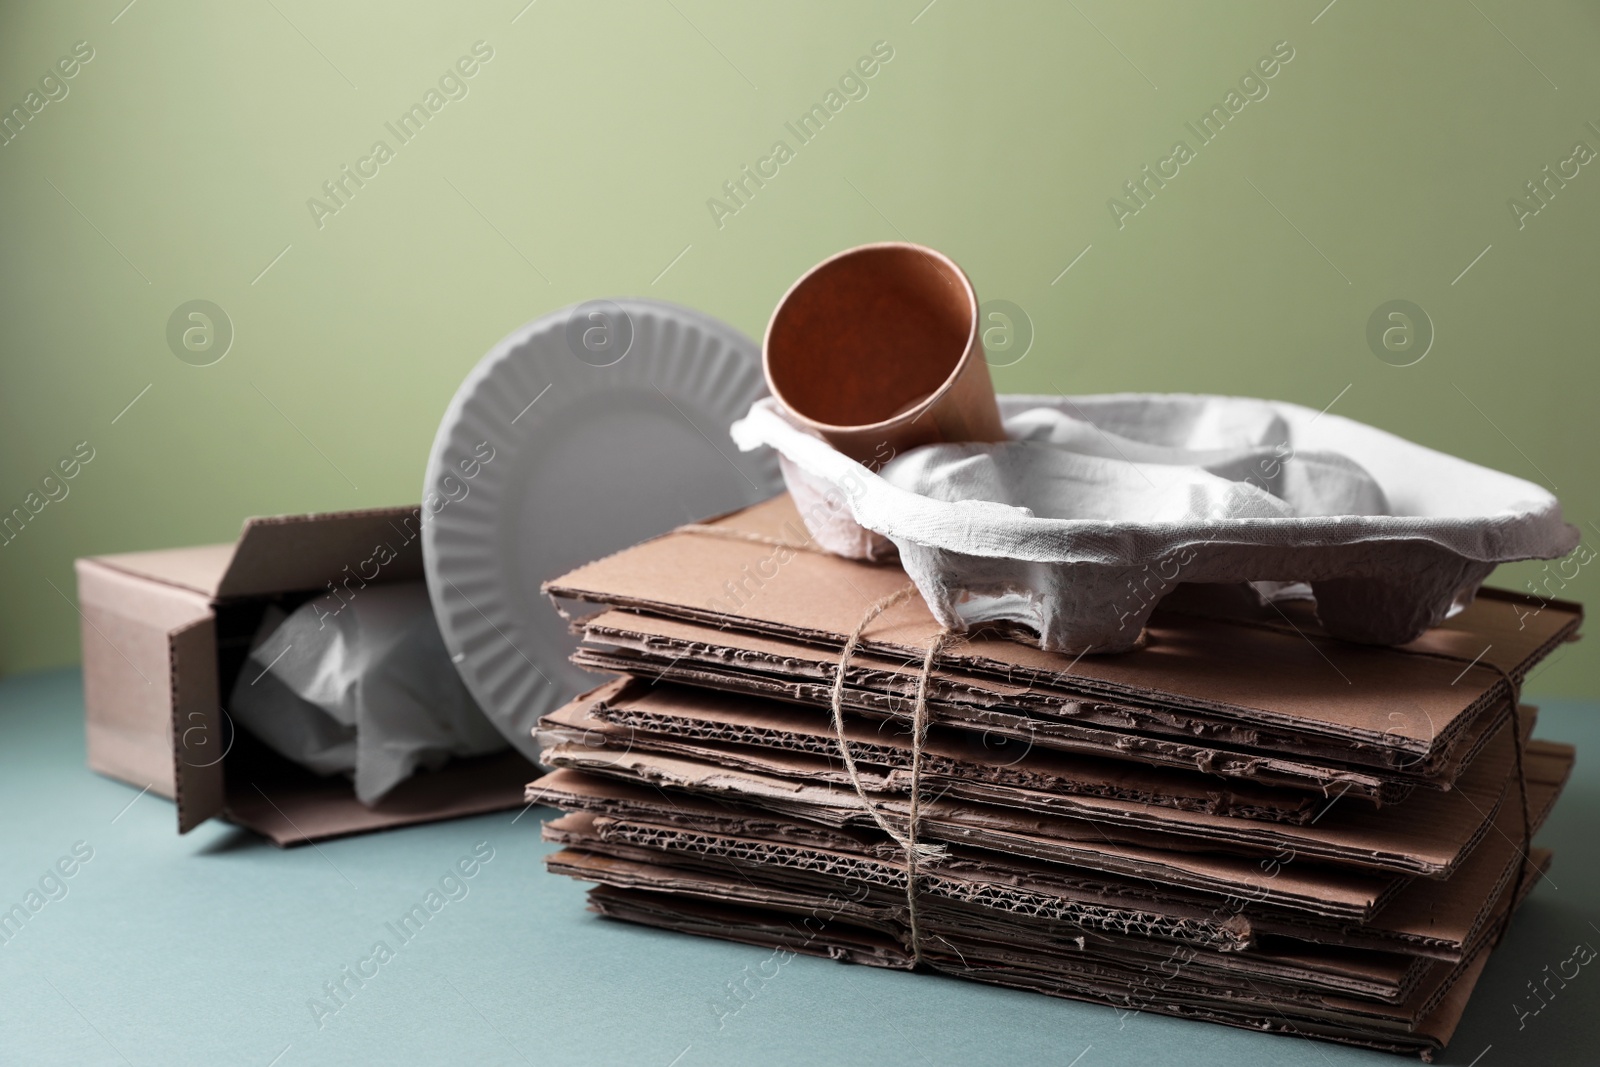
[198,568]
[290,553]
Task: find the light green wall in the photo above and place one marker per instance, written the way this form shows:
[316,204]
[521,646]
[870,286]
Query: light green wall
[1382,161]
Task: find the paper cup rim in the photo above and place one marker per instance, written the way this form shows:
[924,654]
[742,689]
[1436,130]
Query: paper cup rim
[927,402]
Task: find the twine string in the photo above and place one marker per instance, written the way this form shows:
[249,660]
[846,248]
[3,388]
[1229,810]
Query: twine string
[919,736]
[916,852]
[728,533]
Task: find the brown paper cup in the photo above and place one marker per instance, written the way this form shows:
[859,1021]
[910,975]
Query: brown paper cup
[877,349]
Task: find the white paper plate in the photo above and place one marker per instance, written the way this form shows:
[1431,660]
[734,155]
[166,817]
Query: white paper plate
[583,432]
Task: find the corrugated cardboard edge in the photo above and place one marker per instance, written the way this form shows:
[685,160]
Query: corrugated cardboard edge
[197,737]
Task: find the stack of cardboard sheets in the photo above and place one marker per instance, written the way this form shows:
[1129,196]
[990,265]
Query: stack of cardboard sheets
[1242,821]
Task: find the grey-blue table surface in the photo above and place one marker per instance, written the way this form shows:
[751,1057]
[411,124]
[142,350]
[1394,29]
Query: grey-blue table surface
[217,948]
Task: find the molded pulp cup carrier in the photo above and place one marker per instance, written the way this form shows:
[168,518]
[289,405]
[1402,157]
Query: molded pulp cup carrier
[875,353]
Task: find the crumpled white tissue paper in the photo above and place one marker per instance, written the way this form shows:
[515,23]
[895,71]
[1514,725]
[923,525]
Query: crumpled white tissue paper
[1059,467]
[362,687]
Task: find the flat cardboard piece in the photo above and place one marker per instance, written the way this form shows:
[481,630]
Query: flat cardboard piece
[1005,726]
[701,655]
[1294,678]
[1420,1019]
[1436,919]
[620,632]
[1378,976]
[1381,985]
[164,634]
[1298,885]
[729,728]
[1428,835]
[1442,920]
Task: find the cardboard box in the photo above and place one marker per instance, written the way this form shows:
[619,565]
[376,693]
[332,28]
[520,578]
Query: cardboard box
[166,633]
